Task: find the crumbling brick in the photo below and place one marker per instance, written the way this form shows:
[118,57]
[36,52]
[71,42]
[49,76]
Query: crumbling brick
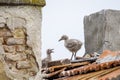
[15,41]
[23,64]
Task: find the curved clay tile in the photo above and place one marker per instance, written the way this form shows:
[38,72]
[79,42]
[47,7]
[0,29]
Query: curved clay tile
[90,68]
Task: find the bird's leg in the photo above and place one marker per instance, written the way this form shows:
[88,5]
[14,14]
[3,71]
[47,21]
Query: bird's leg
[72,56]
[75,56]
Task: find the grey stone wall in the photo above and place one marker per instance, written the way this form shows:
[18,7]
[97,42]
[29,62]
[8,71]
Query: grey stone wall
[102,31]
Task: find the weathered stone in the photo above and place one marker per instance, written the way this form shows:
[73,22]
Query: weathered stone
[4,32]
[28,18]
[1,40]
[22,71]
[16,22]
[2,20]
[23,2]
[21,74]
[32,73]
[16,57]
[2,25]
[10,49]
[19,33]
[20,47]
[15,41]
[28,51]
[102,31]
[3,76]
[23,64]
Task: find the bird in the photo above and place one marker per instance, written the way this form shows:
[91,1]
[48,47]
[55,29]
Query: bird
[73,45]
[48,58]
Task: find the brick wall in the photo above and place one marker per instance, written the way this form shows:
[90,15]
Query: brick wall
[20,41]
[18,55]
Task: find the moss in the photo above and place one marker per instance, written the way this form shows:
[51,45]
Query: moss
[19,2]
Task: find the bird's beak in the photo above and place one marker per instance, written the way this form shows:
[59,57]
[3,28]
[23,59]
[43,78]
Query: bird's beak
[60,39]
[52,50]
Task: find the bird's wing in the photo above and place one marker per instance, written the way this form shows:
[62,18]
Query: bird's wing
[71,43]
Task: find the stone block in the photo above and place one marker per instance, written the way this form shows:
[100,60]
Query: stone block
[3,75]
[2,20]
[29,51]
[20,47]
[2,25]
[23,64]
[15,41]
[9,49]
[15,57]
[15,22]
[21,71]
[1,40]
[19,33]
[102,31]
[4,32]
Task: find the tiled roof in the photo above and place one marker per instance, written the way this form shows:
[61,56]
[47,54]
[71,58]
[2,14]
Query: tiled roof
[99,75]
[90,68]
[86,70]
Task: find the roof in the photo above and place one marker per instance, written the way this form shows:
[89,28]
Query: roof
[93,71]
[107,74]
[23,2]
[110,69]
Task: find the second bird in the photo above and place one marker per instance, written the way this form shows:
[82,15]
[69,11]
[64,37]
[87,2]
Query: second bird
[73,45]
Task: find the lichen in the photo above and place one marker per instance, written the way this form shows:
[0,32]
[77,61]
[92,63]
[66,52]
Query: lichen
[31,2]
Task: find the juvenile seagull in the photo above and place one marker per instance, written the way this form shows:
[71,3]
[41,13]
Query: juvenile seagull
[48,58]
[73,45]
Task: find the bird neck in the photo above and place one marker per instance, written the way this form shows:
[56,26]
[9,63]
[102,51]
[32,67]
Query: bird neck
[65,40]
[49,56]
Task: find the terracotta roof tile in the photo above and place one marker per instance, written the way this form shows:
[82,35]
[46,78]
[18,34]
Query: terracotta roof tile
[109,70]
[92,76]
[111,75]
[90,68]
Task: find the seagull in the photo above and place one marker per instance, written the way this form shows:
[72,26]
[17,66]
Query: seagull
[73,45]
[46,60]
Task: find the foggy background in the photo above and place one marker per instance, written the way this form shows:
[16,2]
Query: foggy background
[66,17]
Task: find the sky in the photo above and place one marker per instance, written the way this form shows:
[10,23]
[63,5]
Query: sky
[61,17]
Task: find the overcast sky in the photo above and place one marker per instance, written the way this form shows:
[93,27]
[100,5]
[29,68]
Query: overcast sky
[66,17]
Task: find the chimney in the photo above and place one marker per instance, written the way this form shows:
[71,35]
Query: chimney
[20,38]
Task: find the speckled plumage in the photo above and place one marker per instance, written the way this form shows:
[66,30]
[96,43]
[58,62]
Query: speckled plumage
[48,58]
[73,45]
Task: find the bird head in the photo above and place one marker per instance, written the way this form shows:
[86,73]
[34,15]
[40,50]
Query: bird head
[64,37]
[49,51]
